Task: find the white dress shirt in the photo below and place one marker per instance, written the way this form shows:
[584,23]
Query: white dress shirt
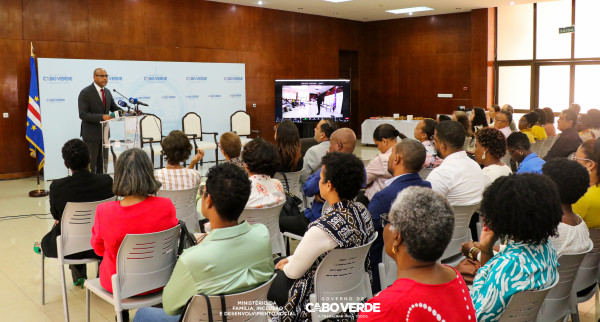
[459,179]
[506,131]
[312,159]
[377,173]
[98,88]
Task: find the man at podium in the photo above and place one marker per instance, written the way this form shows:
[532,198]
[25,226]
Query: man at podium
[95,105]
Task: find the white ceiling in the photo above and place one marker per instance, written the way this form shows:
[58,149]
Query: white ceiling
[372,10]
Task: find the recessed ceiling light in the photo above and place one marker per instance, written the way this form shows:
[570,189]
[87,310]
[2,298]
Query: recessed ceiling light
[512,3]
[410,13]
[336,1]
[409,10]
[260,3]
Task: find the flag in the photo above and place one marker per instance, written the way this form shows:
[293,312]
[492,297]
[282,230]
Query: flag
[34,119]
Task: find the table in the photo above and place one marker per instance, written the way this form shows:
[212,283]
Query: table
[368,127]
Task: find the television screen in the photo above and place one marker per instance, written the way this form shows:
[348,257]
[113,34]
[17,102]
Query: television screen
[312,100]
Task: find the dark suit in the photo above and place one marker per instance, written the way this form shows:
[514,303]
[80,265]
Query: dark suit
[91,110]
[320,99]
[380,204]
[566,143]
[82,186]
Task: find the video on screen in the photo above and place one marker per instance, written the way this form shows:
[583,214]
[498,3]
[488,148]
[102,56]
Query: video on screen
[302,101]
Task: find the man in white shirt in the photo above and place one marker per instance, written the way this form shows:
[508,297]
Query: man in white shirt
[502,122]
[458,178]
[312,158]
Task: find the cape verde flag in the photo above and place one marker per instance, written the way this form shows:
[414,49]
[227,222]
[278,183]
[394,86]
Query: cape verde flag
[34,119]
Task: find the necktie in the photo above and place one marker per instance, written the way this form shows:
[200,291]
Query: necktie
[103,97]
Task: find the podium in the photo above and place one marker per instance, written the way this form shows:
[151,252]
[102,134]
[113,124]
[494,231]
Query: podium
[119,134]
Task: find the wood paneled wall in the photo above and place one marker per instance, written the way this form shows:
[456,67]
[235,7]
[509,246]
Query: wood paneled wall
[403,62]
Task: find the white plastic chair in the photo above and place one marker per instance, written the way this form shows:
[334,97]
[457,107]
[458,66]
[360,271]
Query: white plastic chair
[191,125]
[341,278]
[185,206]
[387,271]
[198,310]
[538,146]
[462,234]
[547,145]
[144,263]
[292,184]
[425,172]
[587,275]
[557,304]
[270,218]
[239,122]
[151,133]
[524,306]
[76,231]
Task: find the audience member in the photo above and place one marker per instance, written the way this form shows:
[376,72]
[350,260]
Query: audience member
[572,181]
[575,108]
[462,118]
[519,150]
[492,111]
[591,123]
[588,206]
[502,123]
[81,186]
[405,162]
[458,178]
[377,170]
[417,231]
[509,109]
[478,119]
[549,126]
[345,224]
[287,141]
[539,133]
[137,213]
[490,147]
[568,141]
[526,209]
[233,258]
[260,159]
[176,149]
[424,133]
[231,147]
[443,117]
[526,122]
[312,158]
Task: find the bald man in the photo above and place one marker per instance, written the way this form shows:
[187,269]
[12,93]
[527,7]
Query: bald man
[95,105]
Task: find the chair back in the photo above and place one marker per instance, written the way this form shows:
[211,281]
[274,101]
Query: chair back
[292,184]
[425,172]
[151,128]
[254,311]
[462,233]
[388,271]
[588,270]
[524,306]
[538,146]
[239,122]
[191,123]
[145,262]
[76,225]
[556,304]
[547,145]
[185,206]
[341,278]
[270,218]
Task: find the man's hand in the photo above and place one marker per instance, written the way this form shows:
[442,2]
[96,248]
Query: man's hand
[107,117]
[319,199]
[281,264]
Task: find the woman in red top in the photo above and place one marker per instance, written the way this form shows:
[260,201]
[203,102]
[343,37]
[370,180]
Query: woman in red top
[137,213]
[419,228]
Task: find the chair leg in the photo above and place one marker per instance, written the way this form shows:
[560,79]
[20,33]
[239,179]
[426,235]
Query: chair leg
[43,282]
[573,307]
[216,156]
[64,291]
[87,304]
[119,316]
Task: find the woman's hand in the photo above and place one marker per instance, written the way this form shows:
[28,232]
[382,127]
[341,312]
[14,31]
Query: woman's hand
[466,247]
[281,264]
[196,158]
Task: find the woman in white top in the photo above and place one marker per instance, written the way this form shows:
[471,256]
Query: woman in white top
[177,149]
[572,180]
[260,160]
[490,147]
[377,170]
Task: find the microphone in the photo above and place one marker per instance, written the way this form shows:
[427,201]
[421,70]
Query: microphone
[135,101]
[122,103]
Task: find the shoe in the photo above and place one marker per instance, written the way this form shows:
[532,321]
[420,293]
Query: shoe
[79,282]
[37,248]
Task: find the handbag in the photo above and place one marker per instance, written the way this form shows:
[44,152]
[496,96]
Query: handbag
[290,208]
[222,314]
[186,239]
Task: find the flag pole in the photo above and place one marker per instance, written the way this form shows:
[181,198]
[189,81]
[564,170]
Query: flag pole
[39,192]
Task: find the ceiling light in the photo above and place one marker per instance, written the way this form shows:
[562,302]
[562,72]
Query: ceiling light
[260,3]
[409,10]
[512,3]
[410,13]
[336,1]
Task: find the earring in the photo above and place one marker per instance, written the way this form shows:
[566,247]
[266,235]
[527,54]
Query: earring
[394,250]
[521,153]
[483,156]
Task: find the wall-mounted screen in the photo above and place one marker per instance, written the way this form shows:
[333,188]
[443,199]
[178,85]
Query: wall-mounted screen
[312,100]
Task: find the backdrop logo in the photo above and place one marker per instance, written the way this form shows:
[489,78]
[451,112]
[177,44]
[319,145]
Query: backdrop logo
[192,97]
[214,96]
[196,78]
[115,78]
[56,79]
[168,97]
[55,100]
[144,98]
[155,78]
[235,95]
[233,78]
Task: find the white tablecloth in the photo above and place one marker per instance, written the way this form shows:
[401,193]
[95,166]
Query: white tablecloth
[368,127]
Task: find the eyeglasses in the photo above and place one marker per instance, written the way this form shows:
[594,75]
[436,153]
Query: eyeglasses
[511,152]
[384,219]
[102,76]
[500,120]
[574,158]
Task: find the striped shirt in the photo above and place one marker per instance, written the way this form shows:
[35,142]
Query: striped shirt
[178,179]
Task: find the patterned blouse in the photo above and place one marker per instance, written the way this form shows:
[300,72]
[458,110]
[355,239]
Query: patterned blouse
[432,160]
[520,267]
[265,192]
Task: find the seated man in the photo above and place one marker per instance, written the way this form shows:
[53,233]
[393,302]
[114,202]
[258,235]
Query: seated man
[568,141]
[458,178]
[312,158]
[404,164]
[233,258]
[502,122]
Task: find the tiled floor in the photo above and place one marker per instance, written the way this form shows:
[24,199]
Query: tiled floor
[24,220]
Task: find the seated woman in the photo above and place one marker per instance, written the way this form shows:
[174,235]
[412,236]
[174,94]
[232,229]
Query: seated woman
[588,206]
[417,230]
[287,142]
[177,148]
[572,181]
[539,133]
[478,119]
[519,150]
[526,122]
[345,224]
[377,170]
[526,209]
[462,118]
[490,147]
[81,186]
[591,125]
[549,125]
[260,160]
[424,133]
[137,213]
[231,148]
